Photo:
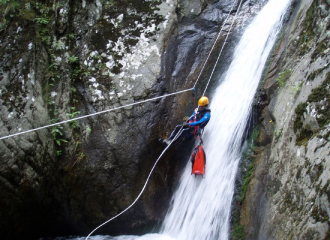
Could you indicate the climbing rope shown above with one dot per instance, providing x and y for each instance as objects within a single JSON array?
[
  {"x": 142, "y": 190},
  {"x": 215, "y": 42},
  {"x": 223, "y": 45},
  {"x": 93, "y": 114}
]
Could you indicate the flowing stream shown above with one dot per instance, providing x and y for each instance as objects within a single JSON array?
[{"x": 200, "y": 209}]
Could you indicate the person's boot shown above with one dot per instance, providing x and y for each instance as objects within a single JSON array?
[{"x": 165, "y": 142}]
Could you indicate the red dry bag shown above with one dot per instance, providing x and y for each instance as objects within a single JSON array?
[{"x": 198, "y": 160}]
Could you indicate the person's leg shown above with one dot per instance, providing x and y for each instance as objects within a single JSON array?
[
  {"x": 174, "y": 132},
  {"x": 181, "y": 133},
  {"x": 190, "y": 134}
]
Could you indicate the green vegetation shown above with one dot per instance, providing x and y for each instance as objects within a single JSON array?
[
  {"x": 309, "y": 24},
  {"x": 9, "y": 7},
  {"x": 246, "y": 182},
  {"x": 319, "y": 215},
  {"x": 74, "y": 124},
  {"x": 247, "y": 170},
  {"x": 278, "y": 133},
  {"x": 248, "y": 159},
  {"x": 309, "y": 38},
  {"x": 56, "y": 52},
  {"x": 320, "y": 48},
  {"x": 42, "y": 20},
  {"x": 57, "y": 133},
  {"x": 320, "y": 98},
  {"x": 283, "y": 77},
  {"x": 313, "y": 75},
  {"x": 238, "y": 233},
  {"x": 296, "y": 90},
  {"x": 300, "y": 110},
  {"x": 57, "y": 130},
  {"x": 24, "y": 10},
  {"x": 73, "y": 59}
]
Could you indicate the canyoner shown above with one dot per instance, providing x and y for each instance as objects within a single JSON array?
[
  {"x": 201, "y": 116},
  {"x": 193, "y": 127}
]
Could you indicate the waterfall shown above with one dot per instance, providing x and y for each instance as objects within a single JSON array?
[{"x": 201, "y": 206}]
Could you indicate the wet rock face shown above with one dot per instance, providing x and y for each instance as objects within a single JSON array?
[
  {"x": 75, "y": 58},
  {"x": 61, "y": 66},
  {"x": 292, "y": 170}
]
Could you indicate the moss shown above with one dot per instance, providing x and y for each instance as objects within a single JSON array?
[
  {"x": 283, "y": 77},
  {"x": 10, "y": 8},
  {"x": 308, "y": 38},
  {"x": 287, "y": 203},
  {"x": 320, "y": 96},
  {"x": 247, "y": 167},
  {"x": 319, "y": 71},
  {"x": 319, "y": 215},
  {"x": 320, "y": 48},
  {"x": 308, "y": 33},
  {"x": 246, "y": 182},
  {"x": 238, "y": 233},
  {"x": 300, "y": 110}
]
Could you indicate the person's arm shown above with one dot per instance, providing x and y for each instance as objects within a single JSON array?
[
  {"x": 205, "y": 118},
  {"x": 191, "y": 117}
]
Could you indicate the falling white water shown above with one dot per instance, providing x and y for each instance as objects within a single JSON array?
[{"x": 201, "y": 206}]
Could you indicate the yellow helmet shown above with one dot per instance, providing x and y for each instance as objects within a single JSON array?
[{"x": 203, "y": 101}]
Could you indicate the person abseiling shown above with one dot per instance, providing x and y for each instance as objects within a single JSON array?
[{"x": 197, "y": 121}]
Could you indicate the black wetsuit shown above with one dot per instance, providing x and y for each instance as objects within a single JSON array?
[{"x": 200, "y": 119}]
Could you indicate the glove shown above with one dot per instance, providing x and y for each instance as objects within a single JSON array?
[
  {"x": 185, "y": 124},
  {"x": 186, "y": 119}
]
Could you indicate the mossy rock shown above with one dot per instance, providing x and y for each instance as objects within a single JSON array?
[{"x": 320, "y": 96}]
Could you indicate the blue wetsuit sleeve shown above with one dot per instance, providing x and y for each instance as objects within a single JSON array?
[{"x": 205, "y": 118}]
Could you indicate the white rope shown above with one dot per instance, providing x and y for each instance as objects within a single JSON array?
[
  {"x": 216, "y": 63},
  {"x": 109, "y": 110},
  {"x": 93, "y": 114},
  {"x": 200, "y": 73},
  {"x": 144, "y": 186}
]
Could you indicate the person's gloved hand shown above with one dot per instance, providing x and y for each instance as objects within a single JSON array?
[
  {"x": 185, "y": 124},
  {"x": 186, "y": 119}
]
